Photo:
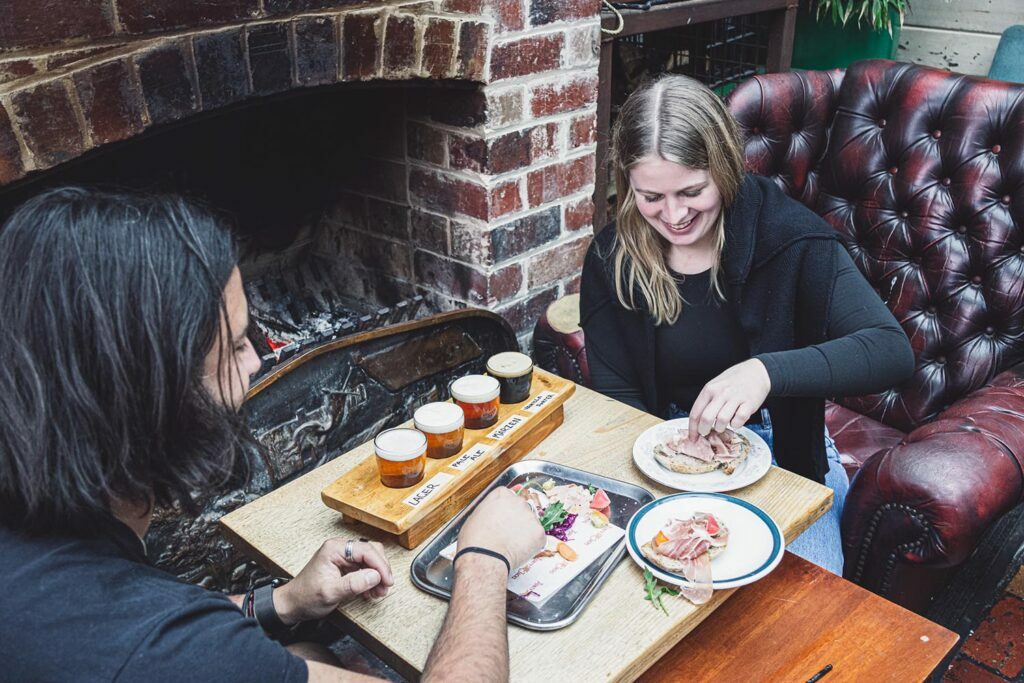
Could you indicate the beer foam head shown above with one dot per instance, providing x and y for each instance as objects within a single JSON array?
[
  {"x": 400, "y": 444},
  {"x": 475, "y": 389},
  {"x": 439, "y": 418},
  {"x": 509, "y": 364}
]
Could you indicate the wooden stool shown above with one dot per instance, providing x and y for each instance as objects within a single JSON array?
[{"x": 558, "y": 343}]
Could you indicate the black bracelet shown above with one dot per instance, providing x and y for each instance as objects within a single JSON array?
[
  {"x": 483, "y": 551},
  {"x": 265, "y": 612}
]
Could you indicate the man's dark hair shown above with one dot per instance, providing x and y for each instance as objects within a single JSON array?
[{"x": 110, "y": 303}]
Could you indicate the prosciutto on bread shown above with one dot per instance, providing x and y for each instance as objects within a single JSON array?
[
  {"x": 685, "y": 547},
  {"x": 718, "y": 450}
]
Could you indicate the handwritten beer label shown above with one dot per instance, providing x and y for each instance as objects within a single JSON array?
[
  {"x": 510, "y": 425},
  {"x": 433, "y": 485},
  {"x": 470, "y": 457},
  {"x": 539, "y": 401}
]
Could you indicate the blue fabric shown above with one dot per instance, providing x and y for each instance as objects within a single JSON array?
[
  {"x": 1008, "y": 61},
  {"x": 822, "y": 543}
]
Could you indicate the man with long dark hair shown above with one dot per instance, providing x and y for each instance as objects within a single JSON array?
[{"x": 124, "y": 363}]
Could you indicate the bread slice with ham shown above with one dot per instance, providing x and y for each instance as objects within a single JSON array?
[
  {"x": 686, "y": 547},
  {"x": 718, "y": 450}
]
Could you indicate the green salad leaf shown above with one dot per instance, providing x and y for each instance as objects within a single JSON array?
[
  {"x": 653, "y": 591},
  {"x": 553, "y": 515}
]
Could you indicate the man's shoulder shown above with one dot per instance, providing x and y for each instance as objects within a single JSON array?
[{"x": 104, "y": 612}]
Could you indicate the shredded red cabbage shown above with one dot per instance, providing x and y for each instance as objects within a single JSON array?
[{"x": 558, "y": 531}]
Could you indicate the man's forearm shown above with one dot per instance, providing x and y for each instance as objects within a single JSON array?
[{"x": 473, "y": 643}]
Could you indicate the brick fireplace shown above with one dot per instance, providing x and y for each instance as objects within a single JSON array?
[{"x": 452, "y": 141}]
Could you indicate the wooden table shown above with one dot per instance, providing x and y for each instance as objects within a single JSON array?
[
  {"x": 617, "y": 637},
  {"x": 805, "y": 619}
]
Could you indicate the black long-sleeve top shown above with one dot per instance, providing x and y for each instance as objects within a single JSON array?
[
  {"x": 780, "y": 271},
  {"x": 770, "y": 259},
  {"x": 865, "y": 349}
]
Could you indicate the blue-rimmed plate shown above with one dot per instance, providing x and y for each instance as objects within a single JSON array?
[{"x": 755, "y": 545}]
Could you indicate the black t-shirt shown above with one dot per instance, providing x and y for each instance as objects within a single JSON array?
[
  {"x": 705, "y": 341},
  {"x": 93, "y": 609}
]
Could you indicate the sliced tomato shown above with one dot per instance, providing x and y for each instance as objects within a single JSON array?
[{"x": 712, "y": 525}]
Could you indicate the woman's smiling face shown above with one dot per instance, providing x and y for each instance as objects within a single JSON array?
[{"x": 681, "y": 203}]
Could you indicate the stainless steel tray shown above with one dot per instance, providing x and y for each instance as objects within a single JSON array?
[{"x": 433, "y": 574}]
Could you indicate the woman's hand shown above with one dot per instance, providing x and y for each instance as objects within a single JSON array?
[
  {"x": 329, "y": 579},
  {"x": 730, "y": 399}
]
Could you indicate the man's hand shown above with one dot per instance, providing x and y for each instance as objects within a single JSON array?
[
  {"x": 328, "y": 580},
  {"x": 505, "y": 523},
  {"x": 730, "y": 399},
  {"x": 473, "y": 644}
]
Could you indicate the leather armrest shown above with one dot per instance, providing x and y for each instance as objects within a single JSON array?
[{"x": 915, "y": 512}]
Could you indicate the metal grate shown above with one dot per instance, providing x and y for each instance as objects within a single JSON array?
[
  {"x": 298, "y": 308},
  {"x": 720, "y": 53}
]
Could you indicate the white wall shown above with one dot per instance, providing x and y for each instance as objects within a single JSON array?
[{"x": 959, "y": 35}]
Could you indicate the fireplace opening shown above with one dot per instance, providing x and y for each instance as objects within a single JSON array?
[{"x": 315, "y": 185}]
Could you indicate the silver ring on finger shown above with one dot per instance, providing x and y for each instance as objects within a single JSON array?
[{"x": 348, "y": 550}]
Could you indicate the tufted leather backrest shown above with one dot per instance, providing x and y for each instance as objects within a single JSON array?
[
  {"x": 785, "y": 120},
  {"x": 921, "y": 171}
]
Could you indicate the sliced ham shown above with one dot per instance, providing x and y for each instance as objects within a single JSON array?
[
  {"x": 688, "y": 543},
  {"x": 573, "y": 497},
  {"x": 719, "y": 447},
  {"x": 698, "y": 572},
  {"x": 699, "y": 449}
]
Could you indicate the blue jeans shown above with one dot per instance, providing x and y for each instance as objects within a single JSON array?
[{"x": 822, "y": 543}]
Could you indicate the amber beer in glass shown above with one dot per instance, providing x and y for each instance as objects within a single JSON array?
[
  {"x": 477, "y": 395},
  {"x": 401, "y": 457},
  {"x": 443, "y": 425}
]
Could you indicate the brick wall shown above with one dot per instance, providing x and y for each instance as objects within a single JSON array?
[
  {"x": 479, "y": 189},
  {"x": 507, "y": 189}
]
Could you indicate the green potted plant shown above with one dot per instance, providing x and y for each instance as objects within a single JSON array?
[{"x": 834, "y": 33}]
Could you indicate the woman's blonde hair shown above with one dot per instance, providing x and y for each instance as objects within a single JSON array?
[{"x": 678, "y": 119}]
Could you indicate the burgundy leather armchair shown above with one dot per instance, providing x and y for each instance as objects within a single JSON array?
[{"x": 921, "y": 171}]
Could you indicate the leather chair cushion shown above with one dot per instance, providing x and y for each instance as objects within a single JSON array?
[{"x": 857, "y": 436}]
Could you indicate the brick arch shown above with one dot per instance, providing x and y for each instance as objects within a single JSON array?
[{"x": 61, "y": 102}]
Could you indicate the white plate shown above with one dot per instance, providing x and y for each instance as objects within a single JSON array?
[
  {"x": 757, "y": 464},
  {"x": 755, "y": 546}
]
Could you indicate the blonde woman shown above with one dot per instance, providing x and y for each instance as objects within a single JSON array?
[{"x": 715, "y": 295}]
